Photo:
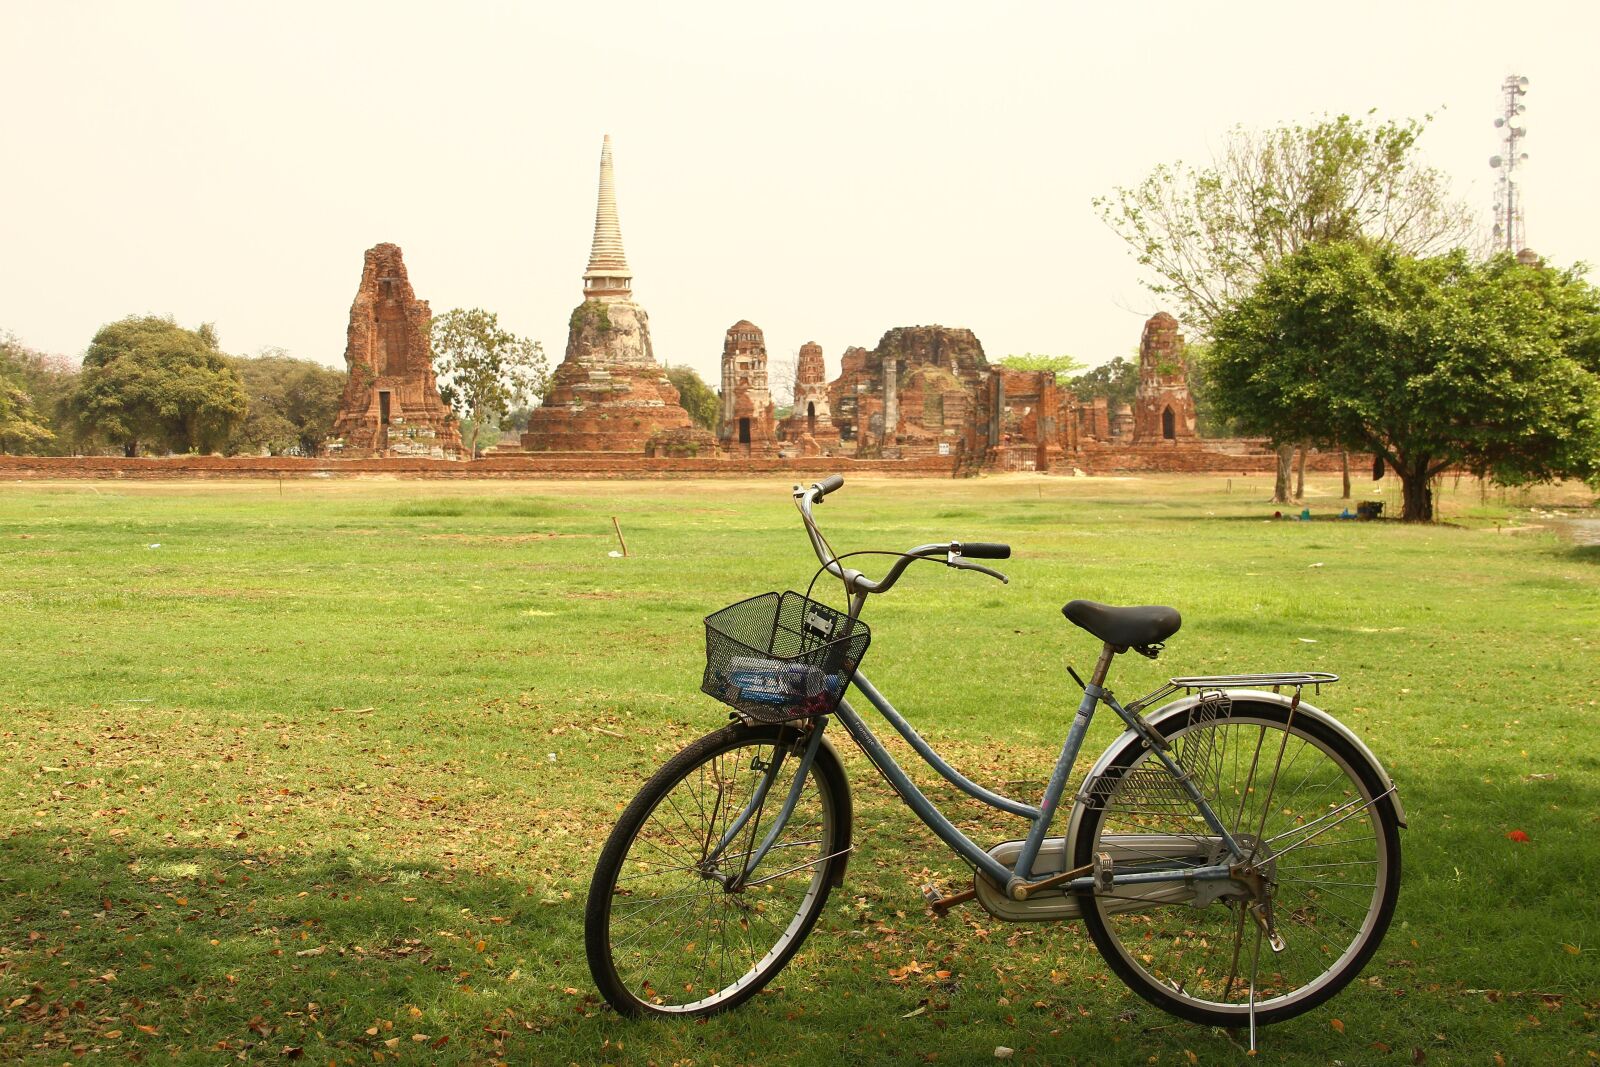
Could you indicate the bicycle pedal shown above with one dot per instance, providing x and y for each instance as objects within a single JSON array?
[{"x": 940, "y": 905}]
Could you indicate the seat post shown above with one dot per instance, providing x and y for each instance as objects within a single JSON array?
[{"x": 1103, "y": 665}]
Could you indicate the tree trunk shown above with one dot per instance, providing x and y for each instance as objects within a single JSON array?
[
  {"x": 1416, "y": 493},
  {"x": 1344, "y": 467},
  {"x": 1300, "y": 475},
  {"x": 1280, "y": 486}
]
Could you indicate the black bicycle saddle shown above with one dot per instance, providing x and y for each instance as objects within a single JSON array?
[{"x": 1127, "y": 627}]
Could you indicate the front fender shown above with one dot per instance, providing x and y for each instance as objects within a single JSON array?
[
  {"x": 842, "y": 832},
  {"x": 1183, "y": 704}
]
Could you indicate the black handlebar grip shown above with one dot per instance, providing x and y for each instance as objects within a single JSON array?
[
  {"x": 985, "y": 550},
  {"x": 829, "y": 484}
]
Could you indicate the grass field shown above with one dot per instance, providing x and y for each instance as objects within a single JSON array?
[{"x": 320, "y": 771}]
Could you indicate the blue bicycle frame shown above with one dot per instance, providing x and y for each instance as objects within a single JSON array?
[{"x": 1041, "y": 816}]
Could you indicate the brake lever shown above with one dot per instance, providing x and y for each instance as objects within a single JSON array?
[{"x": 961, "y": 564}]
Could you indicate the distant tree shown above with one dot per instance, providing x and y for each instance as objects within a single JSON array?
[
  {"x": 702, "y": 402},
  {"x": 1062, "y": 365},
  {"x": 1208, "y": 234},
  {"x": 22, "y": 428},
  {"x": 781, "y": 372},
  {"x": 486, "y": 369},
  {"x": 292, "y": 404},
  {"x": 1209, "y": 421},
  {"x": 34, "y": 384},
  {"x": 516, "y": 419},
  {"x": 148, "y": 382},
  {"x": 1117, "y": 380},
  {"x": 1429, "y": 363}
]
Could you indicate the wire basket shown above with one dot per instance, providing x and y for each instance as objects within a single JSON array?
[{"x": 778, "y": 657}]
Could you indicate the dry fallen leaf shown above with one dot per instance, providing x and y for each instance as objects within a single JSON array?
[{"x": 1337, "y": 1024}]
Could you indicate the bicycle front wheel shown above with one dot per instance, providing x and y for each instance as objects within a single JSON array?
[
  {"x": 1304, "y": 804},
  {"x": 670, "y": 926}
]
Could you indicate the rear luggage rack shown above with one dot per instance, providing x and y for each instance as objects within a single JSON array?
[{"x": 1217, "y": 682}]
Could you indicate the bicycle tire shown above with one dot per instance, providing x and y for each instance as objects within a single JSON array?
[
  {"x": 1158, "y": 951},
  {"x": 666, "y": 965}
]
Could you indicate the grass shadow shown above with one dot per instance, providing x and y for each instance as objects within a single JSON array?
[{"x": 178, "y": 953}]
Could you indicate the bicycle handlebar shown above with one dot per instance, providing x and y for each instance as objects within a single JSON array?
[{"x": 855, "y": 581}]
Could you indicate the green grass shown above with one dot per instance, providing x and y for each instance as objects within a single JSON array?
[{"x": 330, "y": 767}]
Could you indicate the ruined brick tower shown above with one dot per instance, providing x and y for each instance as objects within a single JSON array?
[
  {"x": 811, "y": 416},
  {"x": 608, "y": 394},
  {"x": 747, "y": 423},
  {"x": 391, "y": 401},
  {"x": 1163, "y": 410}
]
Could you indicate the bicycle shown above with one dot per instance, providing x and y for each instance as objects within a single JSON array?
[{"x": 1174, "y": 854}]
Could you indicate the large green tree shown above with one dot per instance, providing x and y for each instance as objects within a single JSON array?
[
  {"x": 149, "y": 383},
  {"x": 1206, "y": 234},
  {"x": 1061, "y": 365},
  {"x": 486, "y": 369},
  {"x": 292, "y": 404},
  {"x": 1116, "y": 380},
  {"x": 1430, "y": 363},
  {"x": 703, "y": 403}
]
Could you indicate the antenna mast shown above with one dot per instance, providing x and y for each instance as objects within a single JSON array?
[{"x": 1508, "y": 231}]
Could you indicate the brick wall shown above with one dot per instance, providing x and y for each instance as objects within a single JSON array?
[
  {"x": 547, "y": 465},
  {"x": 1210, "y": 457}
]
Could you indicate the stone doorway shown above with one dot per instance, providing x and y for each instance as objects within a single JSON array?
[
  {"x": 811, "y": 417},
  {"x": 383, "y": 418},
  {"x": 1169, "y": 424},
  {"x": 744, "y": 431}
]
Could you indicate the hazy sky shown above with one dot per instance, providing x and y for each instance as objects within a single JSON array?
[{"x": 826, "y": 171}]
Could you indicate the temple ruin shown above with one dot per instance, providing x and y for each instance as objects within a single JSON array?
[
  {"x": 912, "y": 395},
  {"x": 924, "y": 399},
  {"x": 1163, "y": 410},
  {"x": 748, "y": 426},
  {"x": 391, "y": 404},
  {"x": 809, "y": 426},
  {"x": 608, "y": 394}
]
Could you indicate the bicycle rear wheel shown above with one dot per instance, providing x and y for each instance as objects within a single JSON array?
[
  {"x": 665, "y": 931},
  {"x": 1305, "y": 803}
]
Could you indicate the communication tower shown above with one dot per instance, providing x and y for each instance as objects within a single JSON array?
[{"x": 1508, "y": 231}]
